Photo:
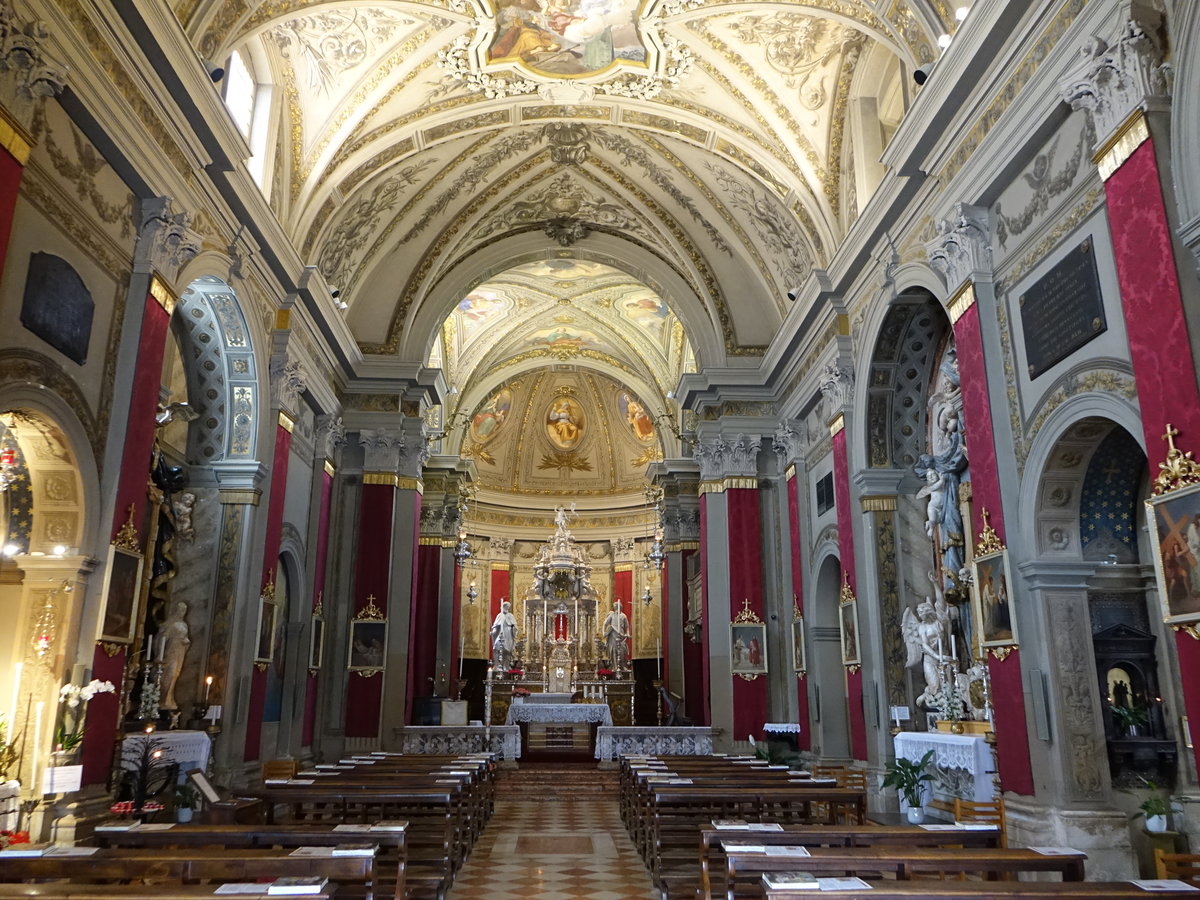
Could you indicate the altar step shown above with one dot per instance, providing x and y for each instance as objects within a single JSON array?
[{"x": 535, "y": 781}]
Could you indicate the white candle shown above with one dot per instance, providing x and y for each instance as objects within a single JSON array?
[
  {"x": 149, "y": 649},
  {"x": 207, "y": 684},
  {"x": 896, "y": 713},
  {"x": 658, "y": 656},
  {"x": 35, "y": 788},
  {"x": 462, "y": 644},
  {"x": 953, "y": 647},
  {"x": 12, "y": 715}
]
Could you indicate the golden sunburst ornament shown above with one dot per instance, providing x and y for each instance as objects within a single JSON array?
[{"x": 1178, "y": 470}]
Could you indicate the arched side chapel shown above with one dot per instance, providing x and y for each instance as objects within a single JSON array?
[{"x": 844, "y": 395}]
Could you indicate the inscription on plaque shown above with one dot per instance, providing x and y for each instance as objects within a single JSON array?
[{"x": 1063, "y": 310}]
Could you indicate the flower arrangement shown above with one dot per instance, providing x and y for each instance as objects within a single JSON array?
[
  {"x": 8, "y": 838},
  {"x": 605, "y": 673},
  {"x": 74, "y": 698},
  {"x": 520, "y": 692},
  {"x": 949, "y": 700},
  {"x": 516, "y": 672}
]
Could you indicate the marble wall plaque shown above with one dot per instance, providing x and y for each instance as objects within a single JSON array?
[{"x": 1063, "y": 310}]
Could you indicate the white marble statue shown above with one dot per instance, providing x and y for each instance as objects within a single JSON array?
[
  {"x": 174, "y": 634},
  {"x": 504, "y": 637},
  {"x": 926, "y": 635},
  {"x": 616, "y": 632}
]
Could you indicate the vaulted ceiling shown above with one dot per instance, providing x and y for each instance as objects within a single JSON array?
[{"x": 715, "y": 152}]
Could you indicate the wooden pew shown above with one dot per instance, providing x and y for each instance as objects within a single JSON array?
[
  {"x": 743, "y": 871},
  {"x": 391, "y": 855},
  {"x": 987, "y": 890},
  {"x": 211, "y": 864},
  {"x": 712, "y": 854},
  {"x": 64, "y": 891}
]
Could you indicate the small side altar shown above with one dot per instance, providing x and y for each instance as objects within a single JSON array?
[{"x": 963, "y": 763}]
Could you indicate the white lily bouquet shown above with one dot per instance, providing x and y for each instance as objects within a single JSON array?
[{"x": 74, "y": 699}]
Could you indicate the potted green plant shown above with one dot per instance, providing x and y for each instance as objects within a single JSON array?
[
  {"x": 909, "y": 779},
  {"x": 1131, "y": 720},
  {"x": 186, "y": 798},
  {"x": 1155, "y": 808}
]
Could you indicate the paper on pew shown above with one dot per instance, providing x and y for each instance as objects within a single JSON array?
[
  {"x": 789, "y": 850},
  {"x": 21, "y": 851},
  {"x": 154, "y": 826},
  {"x": 301, "y": 781},
  {"x": 791, "y": 881},
  {"x": 843, "y": 884},
  {"x": 64, "y": 850},
  {"x": 240, "y": 887},
  {"x": 390, "y": 825},
  {"x": 1165, "y": 884},
  {"x": 977, "y": 826},
  {"x": 1057, "y": 851},
  {"x": 742, "y": 846},
  {"x": 359, "y": 828}
]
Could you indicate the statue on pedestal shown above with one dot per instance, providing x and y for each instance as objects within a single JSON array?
[
  {"x": 616, "y": 633},
  {"x": 925, "y": 636},
  {"x": 504, "y": 637}
]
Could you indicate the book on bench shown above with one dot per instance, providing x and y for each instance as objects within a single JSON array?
[
  {"x": 297, "y": 886},
  {"x": 791, "y": 881},
  {"x": 390, "y": 825}
]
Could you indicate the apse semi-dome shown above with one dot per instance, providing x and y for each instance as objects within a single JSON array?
[{"x": 561, "y": 431}]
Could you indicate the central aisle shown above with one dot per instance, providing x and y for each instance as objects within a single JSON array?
[{"x": 547, "y": 841}]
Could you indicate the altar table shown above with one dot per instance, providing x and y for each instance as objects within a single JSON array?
[
  {"x": 188, "y": 748},
  {"x": 558, "y": 713},
  {"x": 963, "y": 763}
]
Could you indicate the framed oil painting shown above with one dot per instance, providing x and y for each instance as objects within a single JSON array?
[
  {"x": 264, "y": 647},
  {"x": 316, "y": 643},
  {"x": 1175, "y": 530},
  {"x": 996, "y": 623},
  {"x": 748, "y": 649},
  {"x": 368, "y": 638},
  {"x": 799, "y": 665},
  {"x": 122, "y": 586},
  {"x": 849, "y": 622}
]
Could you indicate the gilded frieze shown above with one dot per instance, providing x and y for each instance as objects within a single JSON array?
[
  {"x": 906, "y": 25},
  {"x": 576, "y": 113},
  {"x": 751, "y": 163},
  {"x": 389, "y": 403},
  {"x": 664, "y": 123},
  {"x": 126, "y": 84},
  {"x": 1041, "y": 51},
  {"x": 445, "y": 130}
]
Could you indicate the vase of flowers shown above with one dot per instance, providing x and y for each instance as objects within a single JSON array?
[
  {"x": 74, "y": 698},
  {"x": 519, "y": 694}
]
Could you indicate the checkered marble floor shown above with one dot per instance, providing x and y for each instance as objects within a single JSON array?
[{"x": 554, "y": 850}]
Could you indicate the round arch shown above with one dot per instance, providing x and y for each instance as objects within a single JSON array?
[
  {"x": 826, "y": 671},
  {"x": 699, "y": 323}
]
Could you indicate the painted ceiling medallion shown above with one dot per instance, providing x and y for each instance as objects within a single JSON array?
[{"x": 567, "y": 50}]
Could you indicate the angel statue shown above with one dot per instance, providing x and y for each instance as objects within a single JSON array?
[{"x": 925, "y": 634}]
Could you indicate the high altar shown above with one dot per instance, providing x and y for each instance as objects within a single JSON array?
[{"x": 566, "y": 647}]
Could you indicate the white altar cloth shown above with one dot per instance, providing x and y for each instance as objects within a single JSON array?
[
  {"x": 188, "y": 748},
  {"x": 559, "y": 713},
  {"x": 548, "y": 698},
  {"x": 615, "y": 741},
  {"x": 963, "y": 761},
  {"x": 453, "y": 740}
]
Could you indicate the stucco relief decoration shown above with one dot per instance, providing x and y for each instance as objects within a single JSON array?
[
  {"x": 789, "y": 442},
  {"x": 771, "y": 222},
  {"x": 27, "y": 72},
  {"x": 962, "y": 246},
  {"x": 288, "y": 382},
  {"x": 165, "y": 241},
  {"x": 1113, "y": 80},
  {"x": 566, "y": 50},
  {"x": 332, "y": 43},
  {"x": 836, "y": 386},
  {"x": 799, "y": 47}
]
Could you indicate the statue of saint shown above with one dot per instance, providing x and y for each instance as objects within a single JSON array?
[
  {"x": 616, "y": 632},
  {"x": 943, "y": 471},
  {"x": 925, "y": 636},
  {"x": 174, "y": 633},
  {"x": 504, "y": 637}
]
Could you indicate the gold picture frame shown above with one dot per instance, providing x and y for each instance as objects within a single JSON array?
[
  {"x": 1174, "y": 518},
  {"x": 799, "y": 656},
  {"x": 992, "y": 602},
  {"x": 122, "y": 593}
]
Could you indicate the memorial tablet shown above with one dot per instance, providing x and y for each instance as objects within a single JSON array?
[{"x": 1063, "y": 310}]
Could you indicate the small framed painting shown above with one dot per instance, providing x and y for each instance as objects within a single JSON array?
[
  {"x": 799, "y": 666},
  {"x": 849, "y": 622},
  {"x": 368, "y": 638},
  {"x": 1175, "y": 530},
  {"x": 264, "y": 651},
  {"x": 748, "y": 649},
  {"x": 992, "y": 592},
  {"x": 316, "y": 644},
  {"x": 122, "y": 586}
]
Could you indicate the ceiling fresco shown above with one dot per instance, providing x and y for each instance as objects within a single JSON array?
[{"x": 707, "y": 146}]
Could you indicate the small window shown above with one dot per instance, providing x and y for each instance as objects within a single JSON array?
[
  {"x": 240, "y": 91},
  {"x": 825, "y": 494}
]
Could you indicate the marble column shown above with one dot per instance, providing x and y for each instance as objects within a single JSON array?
[
  {"x": 681, "y": 542},
  {"x": 962, "y": 254},
  {"x": 1123, "y": 87}
]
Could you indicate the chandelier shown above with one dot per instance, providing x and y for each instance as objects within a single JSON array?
[
  {"x": 656, "y": 555},
  {"x": 462, "y": 550}
]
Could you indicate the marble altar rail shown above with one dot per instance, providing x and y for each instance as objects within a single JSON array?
[
  {"x": 612, "y": 741},
  {"x": 449, "y": 740}
]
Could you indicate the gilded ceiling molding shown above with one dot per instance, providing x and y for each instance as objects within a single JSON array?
[{"x": 907, "y": 26}]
